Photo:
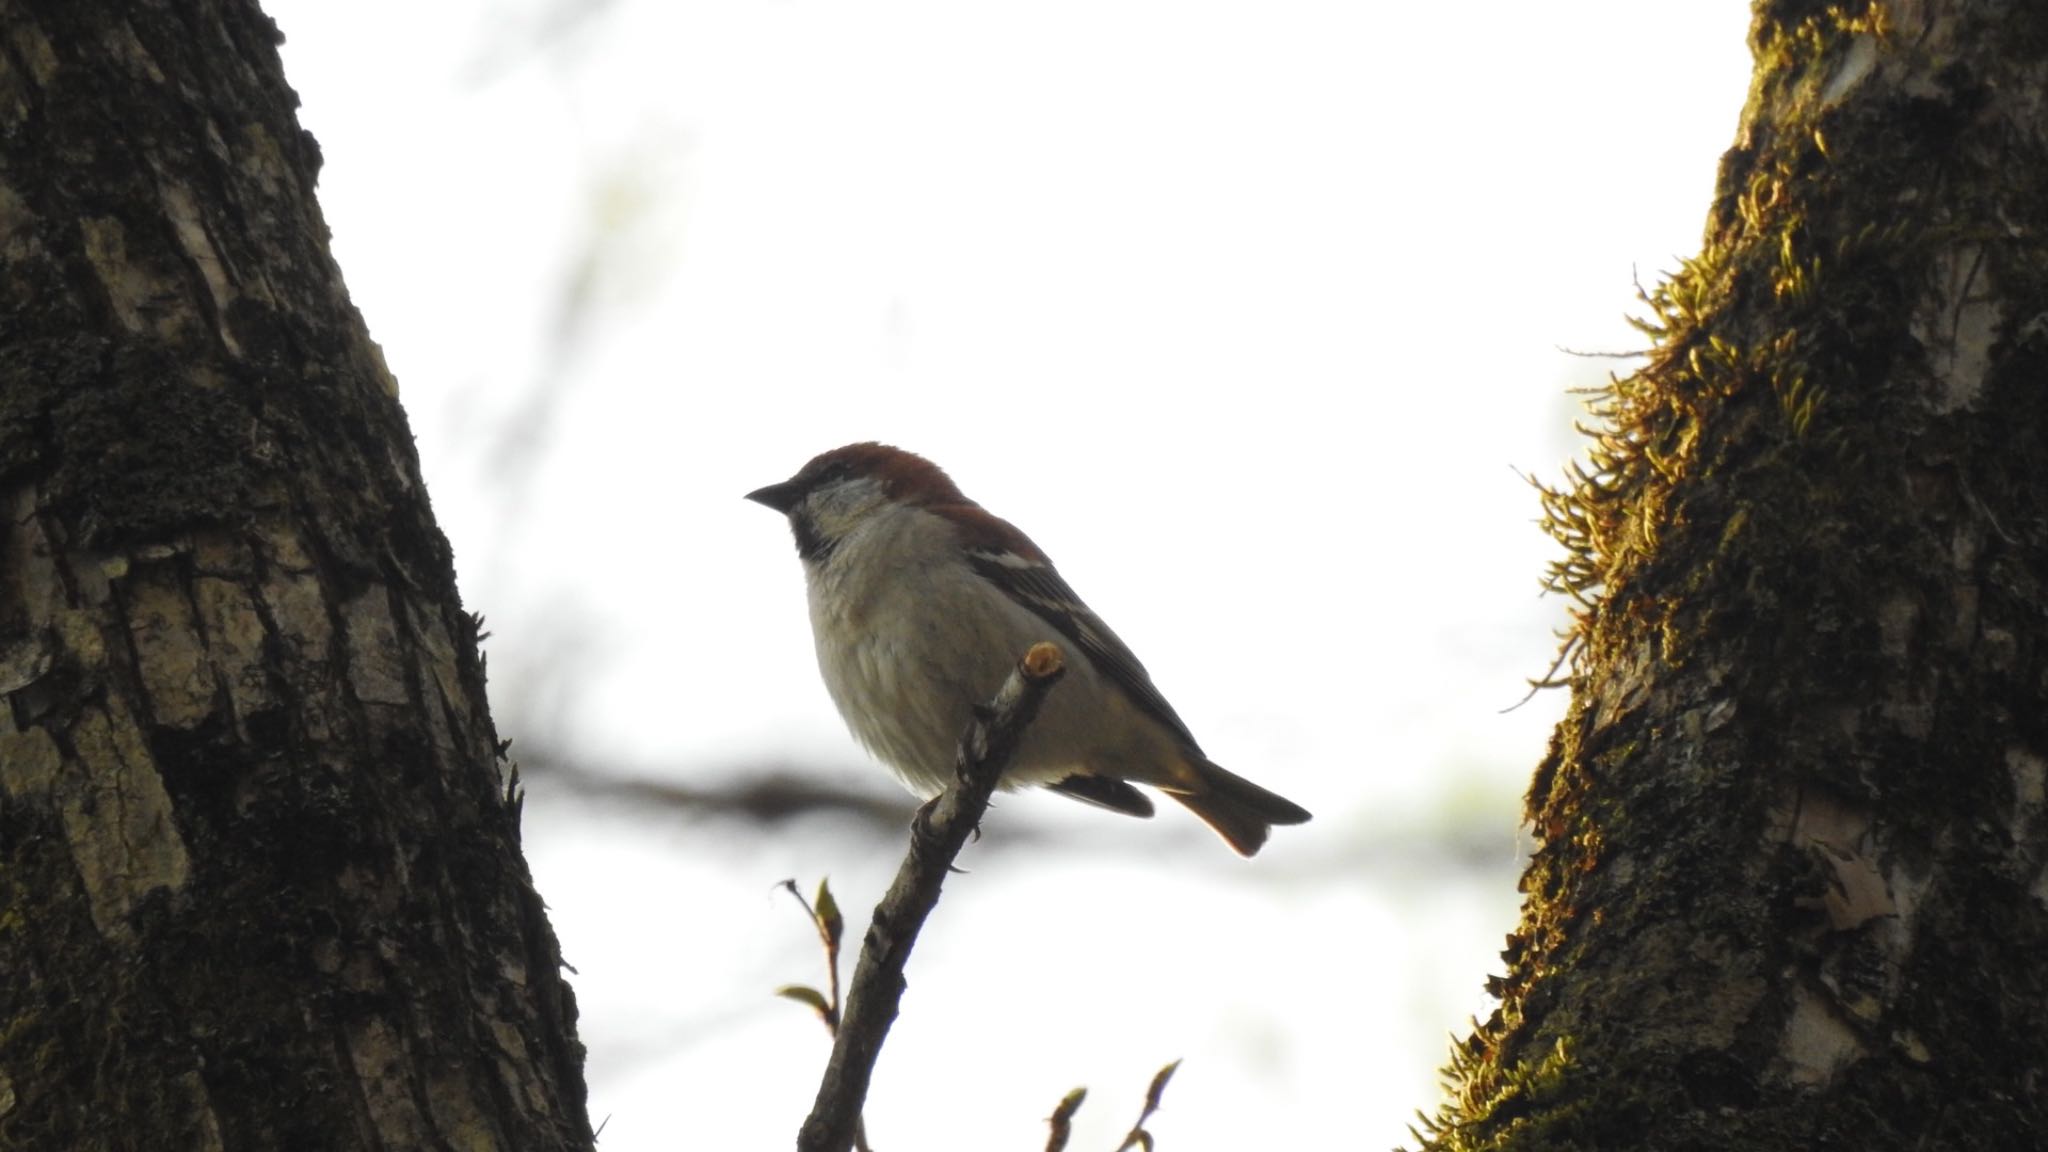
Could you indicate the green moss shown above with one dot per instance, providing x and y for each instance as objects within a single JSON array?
[
  {"x": 1508, "y": 1098},
  {"x": 1735, "y": 552},
  {"x": 1792, "y": 228}
]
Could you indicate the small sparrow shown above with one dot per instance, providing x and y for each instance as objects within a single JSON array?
[{"x": 922, "y": 602}]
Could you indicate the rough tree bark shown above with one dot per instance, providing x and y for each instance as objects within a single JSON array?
[
  {"x": 260, "y": 884},
  {"x": 1792, "y": 888}
]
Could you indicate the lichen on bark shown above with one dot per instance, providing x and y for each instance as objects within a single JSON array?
[{"x": 260, "y": 884}]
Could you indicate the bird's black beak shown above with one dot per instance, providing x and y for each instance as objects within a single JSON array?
[{"x": 781, "y": 497}]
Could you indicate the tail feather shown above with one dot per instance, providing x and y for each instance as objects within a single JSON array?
[{"x": 1239, "y": 810}]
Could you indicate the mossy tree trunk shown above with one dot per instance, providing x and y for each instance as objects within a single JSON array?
[
  {"x": 260, "y": 883},
  {"x": 1792, "y": 883}
]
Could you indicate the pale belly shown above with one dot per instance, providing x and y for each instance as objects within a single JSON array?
[{"x": 908, "y": 668}]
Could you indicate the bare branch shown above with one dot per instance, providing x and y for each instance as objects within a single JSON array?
[
  {"x": 940, "y": 830},
  {"x": 761, "y": 794}
]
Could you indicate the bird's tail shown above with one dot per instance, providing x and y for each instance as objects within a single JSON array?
[{"x": 1239, "y": 810}]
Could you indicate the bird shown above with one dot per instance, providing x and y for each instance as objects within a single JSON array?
[{"x": 921, "y": 601}]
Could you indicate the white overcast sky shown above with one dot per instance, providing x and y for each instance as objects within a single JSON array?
[{"x": 1250, "y": 313}]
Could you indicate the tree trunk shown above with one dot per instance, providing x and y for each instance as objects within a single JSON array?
[
  {"x": 260, "y": 884},
  {"x": 1790, "y": 891}
]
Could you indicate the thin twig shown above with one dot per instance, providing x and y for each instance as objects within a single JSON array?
[
  {"x": 1061, "y": 1122},
  {"x": 830, "y": 926},
  {"x": 1139, "y": 1137},
  {"x": 831, "y": 929},
  {"x": 939, "y": 831}
]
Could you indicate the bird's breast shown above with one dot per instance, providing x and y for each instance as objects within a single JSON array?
[{"x": 907, "y": 644}]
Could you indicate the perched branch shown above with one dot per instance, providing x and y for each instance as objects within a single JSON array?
[{"x": 937, "y": 834}]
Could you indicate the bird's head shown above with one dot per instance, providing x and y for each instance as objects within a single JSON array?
[{"x": 833, "y": 495}]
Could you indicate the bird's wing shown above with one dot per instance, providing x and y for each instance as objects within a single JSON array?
[
  {"x": 1105, "y": 792},
  {"x": 1031, "y": 581}
]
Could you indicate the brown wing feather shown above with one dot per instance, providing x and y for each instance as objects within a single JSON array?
[{"x": 1033, "y": 583}]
